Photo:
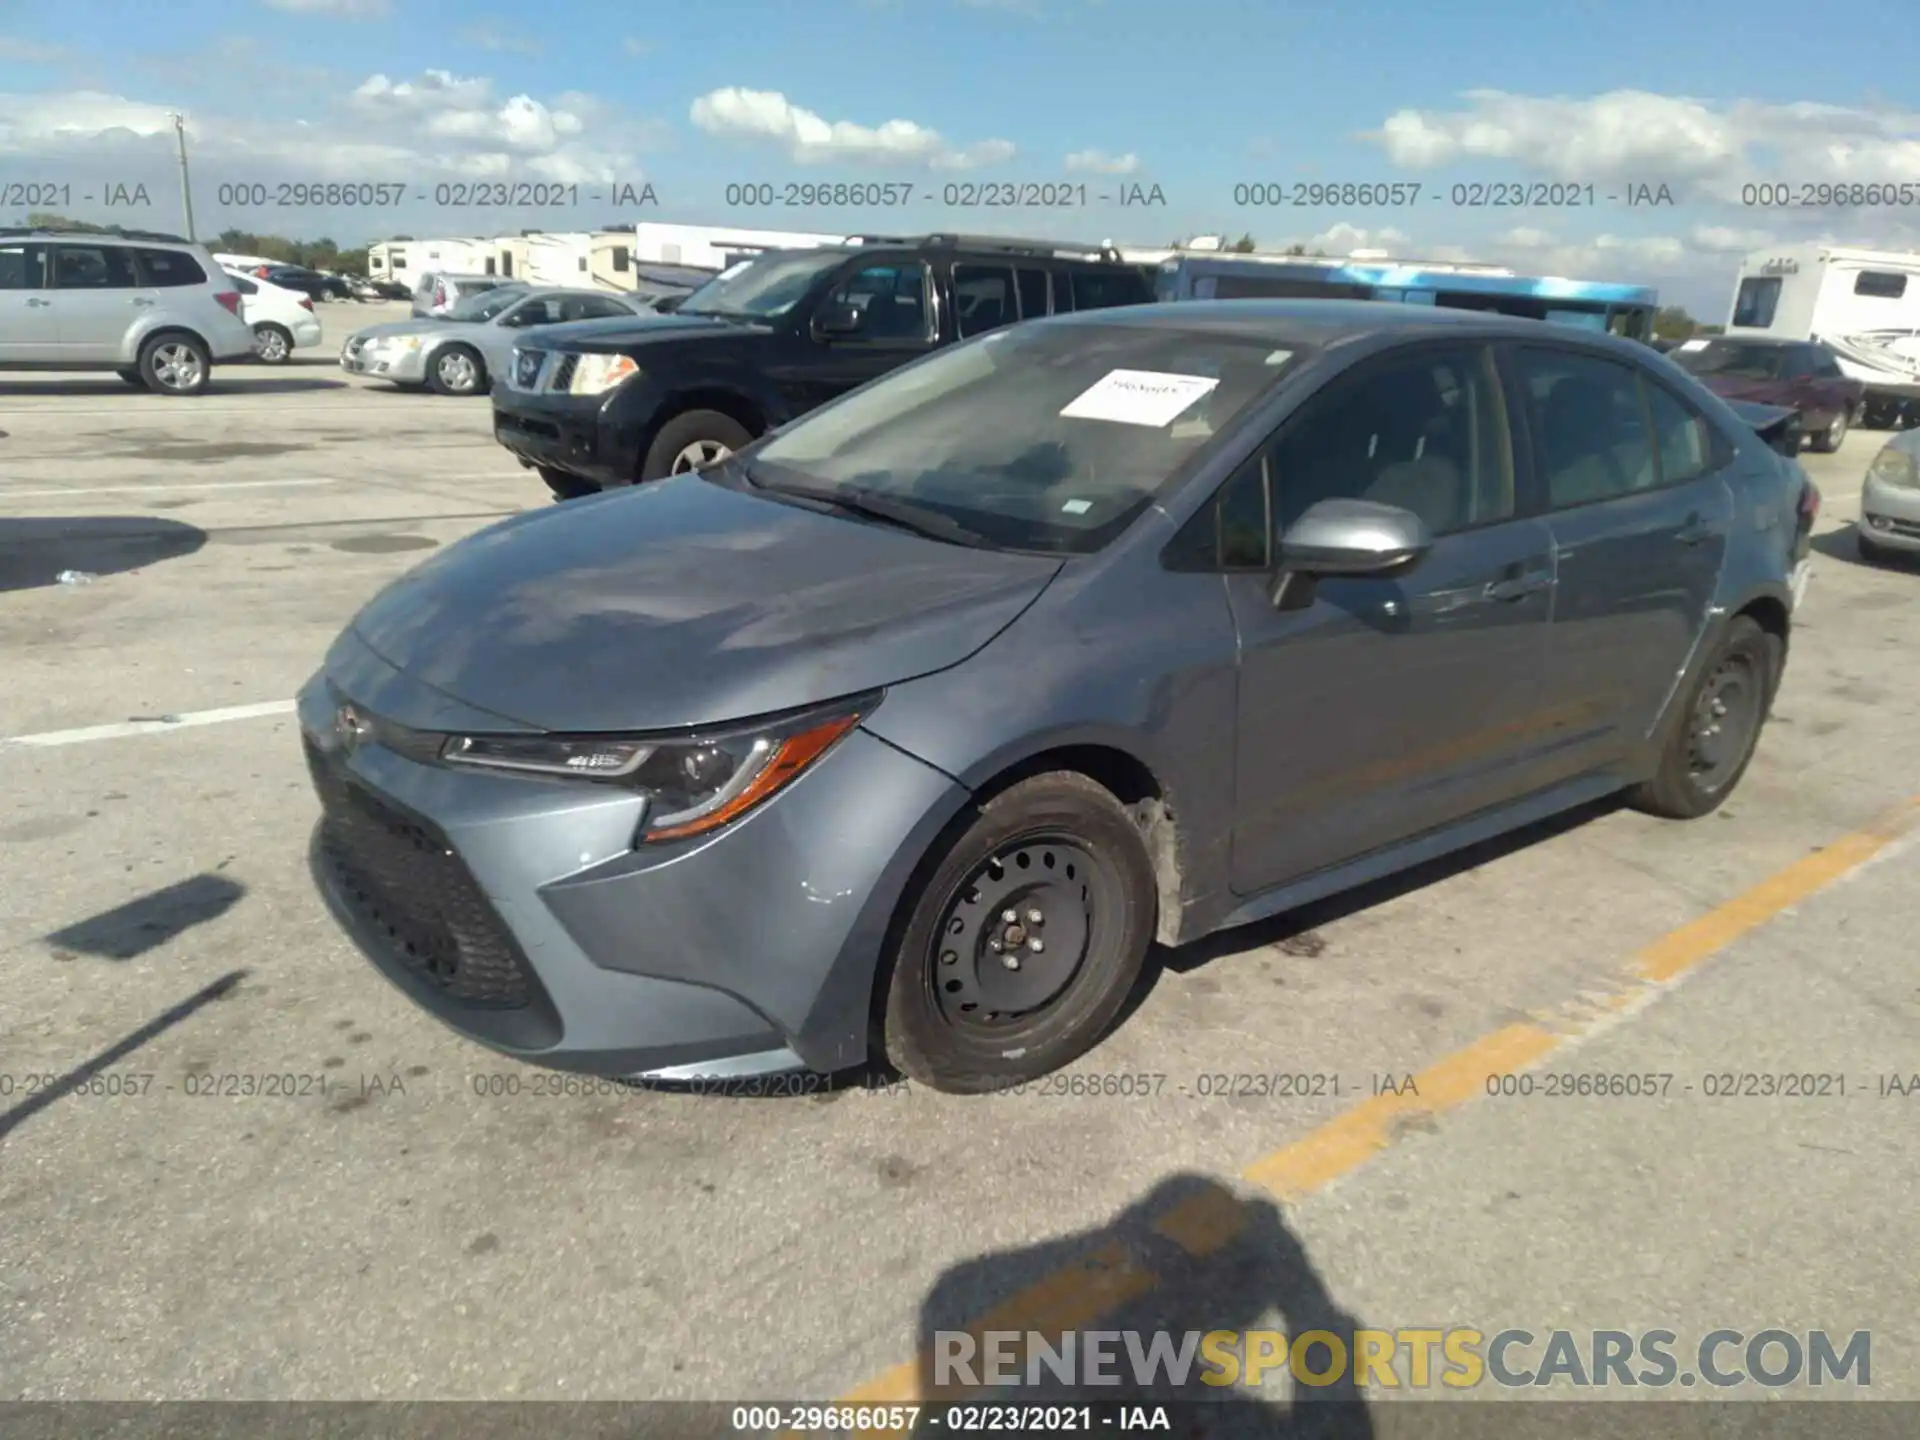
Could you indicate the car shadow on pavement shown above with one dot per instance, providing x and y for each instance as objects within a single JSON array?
[
  {"x": 38, "y": 551},
  {"x": 131, "y": 930},
  {"x": 51, "y": 1088},
  {"x": 1188, "y": 1258},
  {"x": 1844, "y": 545}
]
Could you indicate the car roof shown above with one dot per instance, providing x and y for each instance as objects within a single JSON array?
[{"x": 1328, "y": 322}]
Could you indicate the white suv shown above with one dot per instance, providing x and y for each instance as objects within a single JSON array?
[{"x": 155, "y": 309}]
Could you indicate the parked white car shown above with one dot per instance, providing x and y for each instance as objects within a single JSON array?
[{"x": 280, "y": 319}]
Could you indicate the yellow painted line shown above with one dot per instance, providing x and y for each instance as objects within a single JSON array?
[{"x": 1079, "y": 1293}]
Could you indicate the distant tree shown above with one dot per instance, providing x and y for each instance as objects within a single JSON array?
[
  {"x": 1672, "y": 322},
  {"x": 1296, "y": 250},
  {"x": 1243, "y": 246}
]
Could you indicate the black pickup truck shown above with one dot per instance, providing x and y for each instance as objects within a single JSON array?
[{"x": 607, "y": 403}]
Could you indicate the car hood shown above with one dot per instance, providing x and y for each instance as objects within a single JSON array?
[
  {"x": 683, "y": 603},
  {"x": 420, "y": 325},
  {"x": 622, "y": 333}
]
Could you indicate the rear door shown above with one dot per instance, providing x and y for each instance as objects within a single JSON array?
[
  {"x": 29, "y": 334},
  {"x": 1631, "y": 478},
  {"x": 97, "y": 300},
  {"x": 1831, "y": 386}
]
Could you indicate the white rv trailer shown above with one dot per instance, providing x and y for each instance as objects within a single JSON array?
[
  {"x": 714, "y": 247},
  {"x": 407, "y": 260},
  {"x": 1864, "y": 305}
]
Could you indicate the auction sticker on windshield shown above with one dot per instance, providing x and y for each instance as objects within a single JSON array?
[{"x": 1139, "y": 397}]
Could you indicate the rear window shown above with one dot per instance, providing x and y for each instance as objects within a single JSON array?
[
  {"x": 168, "y": 267},
  {"x": 1101, "y": 289}
]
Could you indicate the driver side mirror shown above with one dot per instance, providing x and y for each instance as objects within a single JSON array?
[
  {"x": 1348, "y": 538},
  {"x": 837, "y": 320}
]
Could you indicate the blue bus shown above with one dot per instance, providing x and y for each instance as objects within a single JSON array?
[{"x": 1592, "y": 304}]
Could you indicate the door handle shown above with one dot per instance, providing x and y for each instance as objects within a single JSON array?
[
  {"x": 1696, "y": 531},
  {"x": 141, "y": 300},
  {"x": 39, "y": 304},
  {"x": 1518, "y": 587}
]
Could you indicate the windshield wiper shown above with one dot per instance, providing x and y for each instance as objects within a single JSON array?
[{"x": 870, "y": 505}]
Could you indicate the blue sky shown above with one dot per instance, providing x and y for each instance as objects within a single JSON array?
[{"x": 1192, "y": 100}]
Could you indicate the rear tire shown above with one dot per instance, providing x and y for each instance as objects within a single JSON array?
[
  {"x": 976, "y": 1003},
  {"x": 565, "y": 486},
  {"x": 175, "y": 363},
  {"x": 688, "y": 442},
  {"x": 1831, "y": 438},
  {"x": 1712, "y": 738},
  {"x": 272, "y": 344}
]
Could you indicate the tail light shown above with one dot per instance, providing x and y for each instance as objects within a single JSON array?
[
  {"x": 1809, "y": 504},
  {"x": 306, "y": 304},
  {"x": 230, "y": 301}
]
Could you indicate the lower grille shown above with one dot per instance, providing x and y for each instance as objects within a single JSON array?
[{"x": 406, "y": 884}]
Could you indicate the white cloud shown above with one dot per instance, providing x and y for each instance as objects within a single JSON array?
[
  {"x": 339, "y": 9},
  {"x": 30, "y": 52},
  {"x": 1634, "y": 136},
  {"x": 1102, "y": 163},
  {"x": 635, "y": 46},
  {"x": 768, "y": 117},
  {"x": 489, "y": 35},
  {"x": 432, "y": 125}
]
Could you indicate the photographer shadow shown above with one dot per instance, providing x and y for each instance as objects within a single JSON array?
[{"x": 1191, "y": 1256}]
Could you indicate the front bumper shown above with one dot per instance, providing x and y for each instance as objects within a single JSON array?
[
  {"x": 404, "y": 367},
  {"x": 1890, "y": 515},
  {"x": 570, "y": 433},
  {"x": 517, "y": 911}
]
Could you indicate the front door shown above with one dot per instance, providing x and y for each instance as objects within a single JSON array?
[
  {"x": 97, "y": 300},
  {"x": 28, "y": 330},
  {"x": 1387, "y": 707},
  {"x": 898, "y": 323},
  {"x": 1631, "y": 477}
]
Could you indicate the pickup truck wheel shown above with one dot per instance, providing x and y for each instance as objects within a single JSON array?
[
  {"x": 565, "y": 486},
  {"x": 1708, "y": 749},
  {"x": 1829, "y": 439},
  {"x": 691, "y": 441},
  {"x": 1022, "y": 944}
]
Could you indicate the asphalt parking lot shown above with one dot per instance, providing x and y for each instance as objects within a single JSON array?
[{"x": 410, "y": 1217}]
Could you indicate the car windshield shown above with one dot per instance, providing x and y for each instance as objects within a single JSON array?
[
  {"x": 1050, "y": 437},
  {"x": 485, "y": 305},
  {"x": 1736, "y": 361},
  {"x": 762, "y": 288}
]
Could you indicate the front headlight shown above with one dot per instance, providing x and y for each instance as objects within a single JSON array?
[
  {"x": 1896, "y": 467},
  {"x": 401, "y": 344},
  {"x": 595, "y": 374},
  {"x": 692, "y": 784}
]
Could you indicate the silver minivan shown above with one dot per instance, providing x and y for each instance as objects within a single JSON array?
[{"x": 154, "y": 309}]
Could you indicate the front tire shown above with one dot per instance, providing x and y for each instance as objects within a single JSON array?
[
  {"x": 690, "y": 442},
  {"x": 458, "y": 370},
  {"x": 272, "y": 344},
  {"x": 1831, "y": 438},
  {"x": 565, "y": 486},
  {"x": 975, "y": 1002},
  {"x": 175, "y": 364},
  {"x": 1713, "y": 740}
]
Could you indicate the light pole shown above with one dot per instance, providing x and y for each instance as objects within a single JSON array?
[{"x": 186, "y": 185}]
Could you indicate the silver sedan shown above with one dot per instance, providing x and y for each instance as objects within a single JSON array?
[
  {"x": 458, "y": 353},
  {"x": 1890, "y": 503}
]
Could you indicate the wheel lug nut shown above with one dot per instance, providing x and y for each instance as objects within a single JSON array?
[
  {"x": 1012, "y": 962},
  {"x": 1035, "y": 945},
  {"x": 1034, "y": 917},
  {"x": 949, "y": 958},
  {"x": 995, "y": 946},
  {"x": 1008, "y": 916}
]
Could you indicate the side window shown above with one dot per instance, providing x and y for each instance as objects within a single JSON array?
[
  {"x": 1686, "y": 444},
  {"x": 1423, "y": 431},
  {"x": 92, "y": 267},
  {"x": 1233, "y": 531},
  {"x": 168, "y": 268},
  {"x": 1756, "y": 301},
  {"x": 622, "y": 259},
  {"x": 1033, "y": 294},
  {"x": 893, "y": 298},
  {"x": 1797, "y": 364},
  {"x": 1099, "y": 289},
  {"x": 983, "y": 295},
  {"x": 1880, "y": 284},
  {"x": 590, "y": 307},
  {"x": 1062, "y": 292},
  {"x": 21, "y": 267},
  {"x": 1589, "y": 426},
  {"x": 1828, "y": 368}
]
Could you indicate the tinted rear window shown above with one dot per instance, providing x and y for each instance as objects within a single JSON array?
[
  {"x": 168, "y": 267},
  {"x": 1099, "y": 289}
]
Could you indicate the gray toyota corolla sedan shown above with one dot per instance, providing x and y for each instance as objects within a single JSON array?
[{"x": 899, "y": 736}]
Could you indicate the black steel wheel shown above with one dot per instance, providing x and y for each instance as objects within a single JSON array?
[
  {"x": 1022, "y": 944},
  {"x": 1709, "y": 747}
]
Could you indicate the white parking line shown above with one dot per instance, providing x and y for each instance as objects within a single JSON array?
[
  {"x": 149, "y": 727},
  {"x": 6, "y": 494}
]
